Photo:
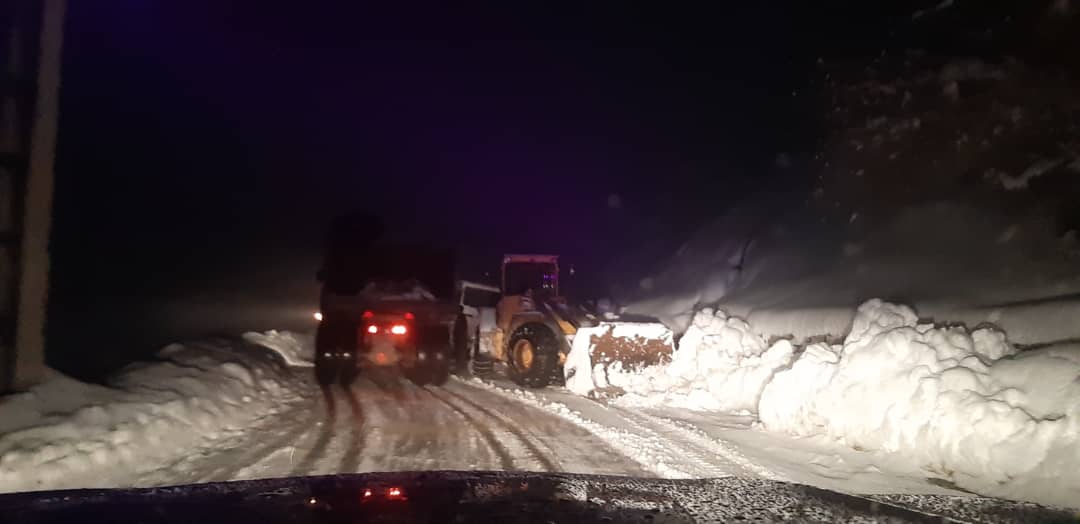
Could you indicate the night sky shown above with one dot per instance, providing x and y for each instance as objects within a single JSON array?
[{"x": 204, "y": 146}]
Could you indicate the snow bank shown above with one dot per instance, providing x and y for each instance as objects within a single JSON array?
[
  {"x": 297, "y": 349},
  {"x": 962, "y": 404},
  {"x": 67, "y": 434}
]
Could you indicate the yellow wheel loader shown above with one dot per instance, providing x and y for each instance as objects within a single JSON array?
[{"x": 533, "y": 328}]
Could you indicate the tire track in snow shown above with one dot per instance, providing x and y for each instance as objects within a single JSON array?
[
  {"x": 332, "y": 451},
  {"x": 506, "y": 461},
  {"x": 663, "y": 455},
  {"x": 549, "y": 464},
  {"x": 686, "y": 449},
  {"x": 358, "y": 440},
  {"x": 576, "y": 447},
  {"x": 701, "y": 441},
  {"x": 696, "y": 434},
  {"x": 315, "y": 452},
  {"x": 392, "y": 428},
  {"x": 258, "y": 454}
]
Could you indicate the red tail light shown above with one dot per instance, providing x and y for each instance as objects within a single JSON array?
[
  {"x": 368, "y": 314},
  {"x": 367, "y": 492},
  {"x": 398, "y": 329},
  {"x": 410, "y": 316},
  {"x": 394, "y": 493},
  {"x": 373, "y": 329}
]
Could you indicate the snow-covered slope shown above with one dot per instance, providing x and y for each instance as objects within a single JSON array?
[
  {"x": 64, "y": 433},
  {"x": 947, "y": 184},
  {"x": 789, "y": 274}
]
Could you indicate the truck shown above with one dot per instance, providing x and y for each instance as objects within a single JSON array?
[{"x": 392, "y": 306}]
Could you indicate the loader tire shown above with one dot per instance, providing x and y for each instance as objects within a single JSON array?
[{"x": 533, "y": 355}]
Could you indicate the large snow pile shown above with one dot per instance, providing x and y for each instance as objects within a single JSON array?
[
  {"x": 718, "y": 364},
  {"x": 963, "y": 404},
  {"x": 296, "y": 348},
  {"x": 67, "y": 434}
]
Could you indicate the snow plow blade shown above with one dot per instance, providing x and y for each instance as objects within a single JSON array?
[{"x": 601, "y": 355}]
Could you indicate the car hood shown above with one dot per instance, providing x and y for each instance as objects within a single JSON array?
[{"x": 450, "y": 496}]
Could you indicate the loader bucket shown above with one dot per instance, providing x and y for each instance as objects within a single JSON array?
[{"x": 615, "y": 348}]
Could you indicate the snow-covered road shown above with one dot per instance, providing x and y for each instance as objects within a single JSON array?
[
  {"x": 473, "y": 424},
  {"x": 399, "y": 426}
]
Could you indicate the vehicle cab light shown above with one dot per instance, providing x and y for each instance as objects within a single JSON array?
[{"x": 398, "y": 329}]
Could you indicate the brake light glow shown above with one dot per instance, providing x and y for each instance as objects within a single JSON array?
[
  {"x": 410, "y": 316},
  {"x": 398, "y": 329},
  {"x": 368, "y": 314},
  {"x": 393, "y": 493},
  {"x": 367, "y": 492},
  {"x": 373, "y": 329}
]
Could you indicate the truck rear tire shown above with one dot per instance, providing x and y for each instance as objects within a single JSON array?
[
  {"x": 434, "y": 343},
  {"x": 460, "y": 346},
  {"x": 533, "y": 355},
  {"x": 417, "y": 375},
  {"x": 439, "y": 373}
]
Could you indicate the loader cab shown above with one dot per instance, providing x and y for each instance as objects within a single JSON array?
[{"x": 536, "y": 273}]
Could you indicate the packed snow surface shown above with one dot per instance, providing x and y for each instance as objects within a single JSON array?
[{"x": 962, "y": 403}]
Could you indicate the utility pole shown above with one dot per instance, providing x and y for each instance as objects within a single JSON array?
[{"x": 31, "y": 36}]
